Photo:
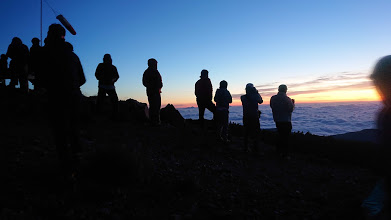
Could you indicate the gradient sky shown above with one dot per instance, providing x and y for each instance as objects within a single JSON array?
[{"x": 322, "y": 50}]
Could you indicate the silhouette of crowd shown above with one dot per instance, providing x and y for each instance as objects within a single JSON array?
[{"x": 57, "y": 71}]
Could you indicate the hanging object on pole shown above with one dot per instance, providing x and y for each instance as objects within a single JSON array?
[
  {"x": 66, "y": 24},
  {"x": 61, "y": 18}
]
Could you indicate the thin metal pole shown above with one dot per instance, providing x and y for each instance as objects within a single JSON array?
[{"x": 41, "y": 23}]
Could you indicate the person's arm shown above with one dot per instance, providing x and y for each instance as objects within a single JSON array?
[
  {"x": 144, "y": 80},
  {"x": 260, "y": 100},
  {"x": 98, "y": 72},
  {"x": 229, "y": 97},
  {"x": 291, "y": 104},
  {"x": 81, "y": 73},
  {"x": 217, "y": 96},
  {"x": 116, "y": 75},
  {"x": 196, "y": 89},
  {"x": 157, "y": 80}
]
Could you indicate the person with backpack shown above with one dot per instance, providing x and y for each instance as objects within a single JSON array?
[
  {"x": 251, "y": 115},
  {"x": 222, "y": 98}
]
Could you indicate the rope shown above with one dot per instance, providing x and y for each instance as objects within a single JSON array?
[{"x": 54, "y": 11}]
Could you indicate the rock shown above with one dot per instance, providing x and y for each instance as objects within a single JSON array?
[
  {"x": 138, "y": 111},
  {"x": 172, "y": 116}
]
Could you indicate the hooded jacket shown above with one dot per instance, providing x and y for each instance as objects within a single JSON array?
[
  {"x": 222, "y": 98},
  {"x": 152, "y": 80},
  {"x": 203, "y": 89},
  {"x": 282, "y": 107},
  {"x": 62, "y": 73},
  {"x": 250, "y": 104},
  {"x": 107, "y": 74}
]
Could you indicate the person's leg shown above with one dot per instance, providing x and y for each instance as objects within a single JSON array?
[
  {"x": 246, "y": 134},
  {"x": 201, "y": 109},
  {"x": 210, "y": 106},
  {"x": 74, "y": 132},
  {"x": 279, "y": 142},
  {"x": 74, "y": 119},
  {"x": 154, "y": 108},
  {"x": 114, "y": 101},
  {"x": 59, "y": 122},
  {"x": 224, "y": 121},
  {"x": 256, "y": 131},
  {"x": 284, "y": 131},
  {"x": 100, "y": 98},
  {"x": 23, "y": 81}
]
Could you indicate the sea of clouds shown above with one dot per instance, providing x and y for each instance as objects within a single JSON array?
[{"x": 316, "y": 118}]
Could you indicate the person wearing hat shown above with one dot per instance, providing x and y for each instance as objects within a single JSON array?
[
  {"x": 35, "y": 60},
  {"x": 107, "y": 75},
  {"x": 282, "y": 108},
  {"x": 203, "y": 92},
  {"x": 222, "y": 98},
  {"x": 251, "y": 115}
]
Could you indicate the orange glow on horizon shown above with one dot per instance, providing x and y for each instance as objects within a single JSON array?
[{"x": 366, "y": 95}]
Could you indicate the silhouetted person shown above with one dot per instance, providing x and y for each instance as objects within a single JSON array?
[
  {"x": 19, "y": 54},
  {"x": 152, "y": 80},
  {"x": 62, "y": 75},
  {"x": 251, "y": 115},
  {"x": 107, "y": 75},
  {"x": 35, "y": 59},
  {"x": 282, "y": 108},
  {"x": 380, "y": 197},
  {"x": 3, "y": 69},
  {"x": 204, "y": 92},
  {"x": 222, "y": 98}
]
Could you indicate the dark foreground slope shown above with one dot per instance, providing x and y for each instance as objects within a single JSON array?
[{"x": 130, "y": 170}]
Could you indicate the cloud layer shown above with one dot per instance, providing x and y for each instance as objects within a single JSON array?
[{"x": 345, "y": 81}]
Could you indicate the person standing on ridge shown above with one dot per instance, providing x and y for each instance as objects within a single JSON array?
[
  {"x": 3, "y": 70},
  {"x": 152, "y": 80},
  {"x": 19, "y": 54},
  {"x": 34, "y": 61},
  {"x": 203, "y": 92},
  {"x": 222, "y": 98},
  {"x": 251, "y": 115},
  {"x": 282, "y": 108},
  {"x": 61, "y": 76},
  {"x": 107, "y": 75}
]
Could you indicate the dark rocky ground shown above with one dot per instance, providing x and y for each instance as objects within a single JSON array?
[{"x": 130, "y": 170}]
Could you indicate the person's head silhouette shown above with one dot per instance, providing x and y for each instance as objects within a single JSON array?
[
  {"x": 250, "y": 88},
  {"x": 283, "y": 88},
  {"x": 35, "y": 41},
  {"x": 107, "y": 59},
  {"x": 16, "y": 41},
  {"x": 56, "y": 32},
  {"x": 204, "y": 74},
  {"x": 381, "y": 77},
  {"x": 223, "y": 84},
  {"x": 152, "y": 63}
]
